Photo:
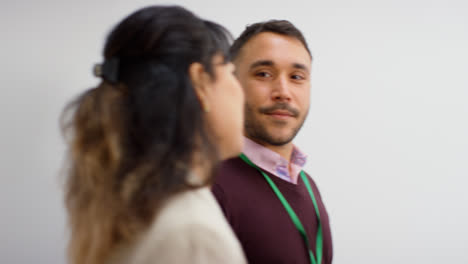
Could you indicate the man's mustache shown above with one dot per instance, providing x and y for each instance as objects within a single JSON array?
[{"x": 280, "y": 106}]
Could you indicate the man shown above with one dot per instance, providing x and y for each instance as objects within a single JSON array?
[{"x": 275, "y": 209}]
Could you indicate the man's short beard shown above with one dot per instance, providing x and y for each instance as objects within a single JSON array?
[{"x": 256, "y": 131}]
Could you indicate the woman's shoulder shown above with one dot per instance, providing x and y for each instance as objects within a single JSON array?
[
  {"x": 194, "y": 207},
  {"x": 190, "y": 228}
]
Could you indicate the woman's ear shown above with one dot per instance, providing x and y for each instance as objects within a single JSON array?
[{"x": 201, "y": 83}]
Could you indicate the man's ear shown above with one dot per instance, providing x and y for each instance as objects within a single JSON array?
[{"x": 200, "y": 82}]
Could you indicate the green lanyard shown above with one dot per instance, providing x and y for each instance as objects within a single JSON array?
[{"x": 292, "y": 214}]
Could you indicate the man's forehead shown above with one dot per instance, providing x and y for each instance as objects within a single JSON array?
[{"x": 275, "y": 49}]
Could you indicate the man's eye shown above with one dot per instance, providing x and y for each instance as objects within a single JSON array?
[
  {"x": 263, "y": 74},
  {"x": 297, "y": 77}
]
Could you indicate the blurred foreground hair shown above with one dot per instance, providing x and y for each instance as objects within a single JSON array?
[{"x": 132, "y": 138}]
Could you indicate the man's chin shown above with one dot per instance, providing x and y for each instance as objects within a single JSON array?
[{"x": 276, "y": 140}]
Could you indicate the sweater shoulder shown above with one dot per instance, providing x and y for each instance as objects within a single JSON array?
[{"x": 235, "y": 174}]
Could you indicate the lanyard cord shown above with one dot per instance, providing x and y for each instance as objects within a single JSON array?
[{"x": 292, "y": 214}]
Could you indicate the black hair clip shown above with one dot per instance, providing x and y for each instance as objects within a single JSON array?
[{"x": 109, "y": 70}]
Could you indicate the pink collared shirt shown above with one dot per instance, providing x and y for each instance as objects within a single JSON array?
[{"x": 272, "y": 162}]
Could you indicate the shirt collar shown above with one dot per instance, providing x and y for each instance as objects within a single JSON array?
[{"x": 273, "y": 162}]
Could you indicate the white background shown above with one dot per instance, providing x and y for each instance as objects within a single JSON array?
[{"x": 386, "y": 134}]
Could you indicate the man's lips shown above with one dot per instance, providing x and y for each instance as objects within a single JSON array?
[{"x": 280, "y": 113}]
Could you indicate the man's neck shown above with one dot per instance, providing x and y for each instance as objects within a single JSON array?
[{"x": 284, "y": 151}]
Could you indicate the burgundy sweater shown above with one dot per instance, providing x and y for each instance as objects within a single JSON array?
[{"x": 259, "y": 220}]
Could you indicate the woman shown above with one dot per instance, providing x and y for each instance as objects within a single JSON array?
[{"x": 144, "y": 143}]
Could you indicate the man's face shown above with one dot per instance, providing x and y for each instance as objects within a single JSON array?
[{"x": 274, "y": 71}]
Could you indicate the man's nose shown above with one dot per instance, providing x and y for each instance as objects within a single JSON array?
[{"x": 281, "y": 89}]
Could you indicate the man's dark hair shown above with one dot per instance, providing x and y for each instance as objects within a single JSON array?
[{"x": 281, "y": 27}]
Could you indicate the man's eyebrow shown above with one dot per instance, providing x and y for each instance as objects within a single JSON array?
[
  {"x": 261, "y": 63},
  {"x": 300, "y": 66},
  {"x": 258, "y": 63}
]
